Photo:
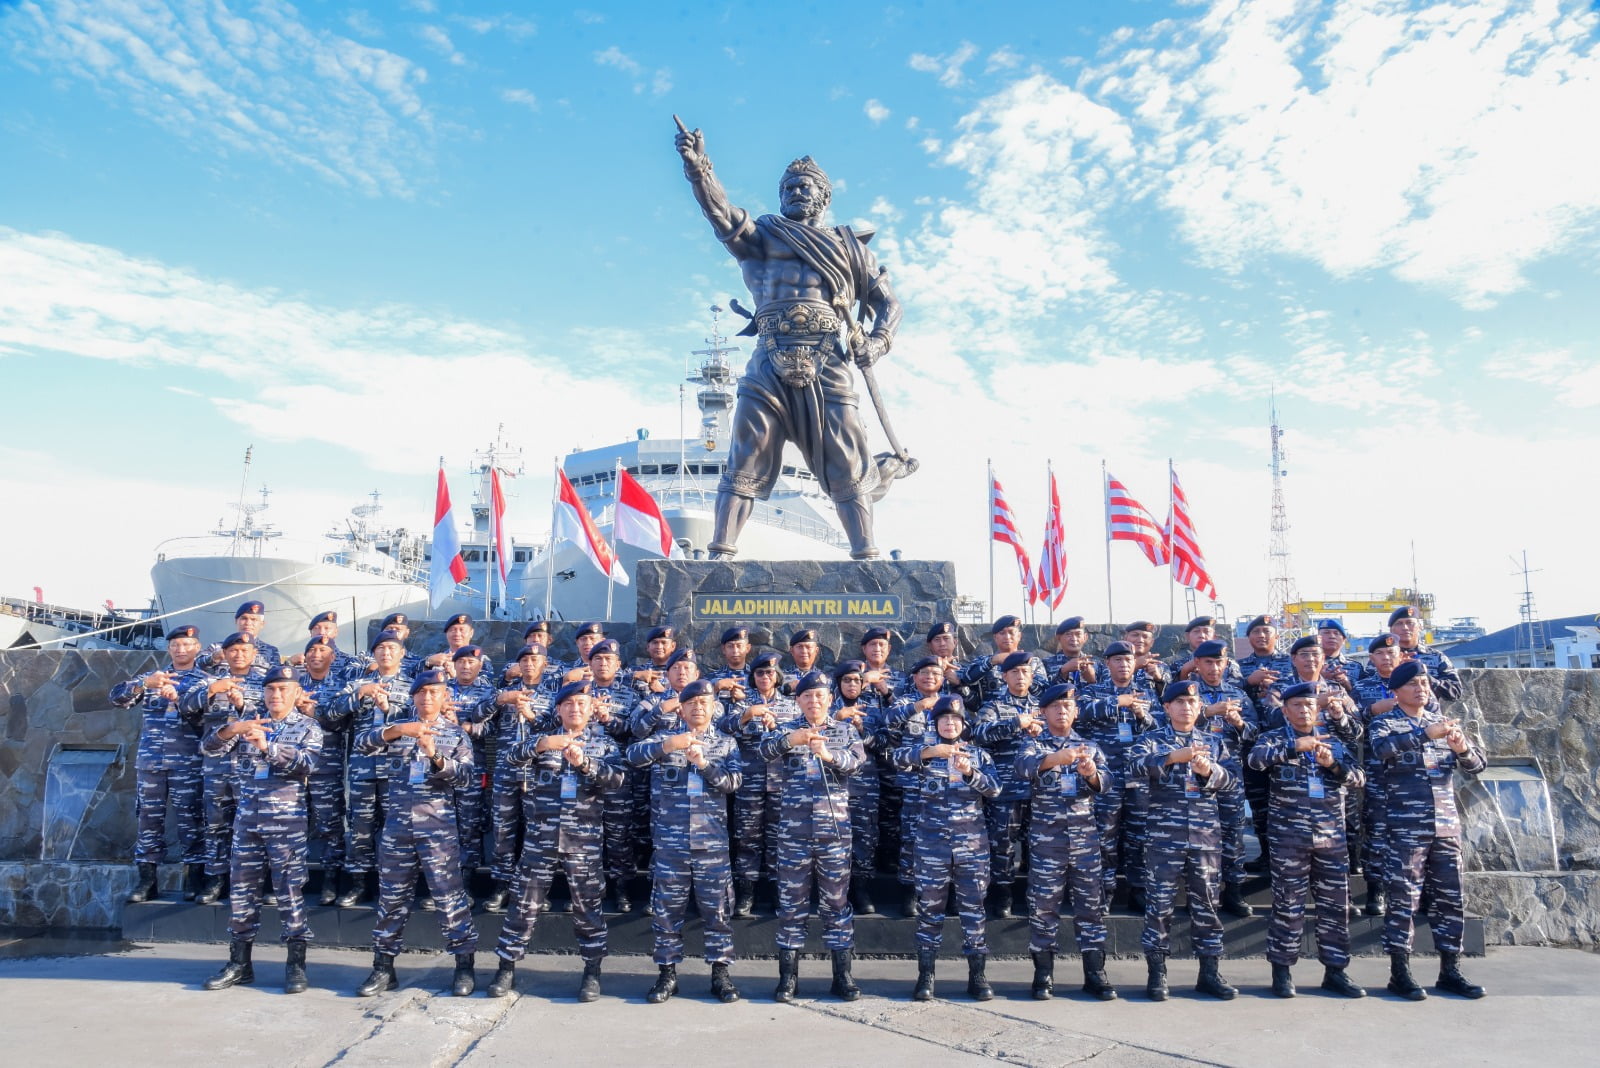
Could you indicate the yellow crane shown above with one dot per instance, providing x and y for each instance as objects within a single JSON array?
[{"x": 1302, "y": 616}]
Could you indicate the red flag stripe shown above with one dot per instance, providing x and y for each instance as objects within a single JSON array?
[
  {"x": 1003, "y": 528},
  {"x": 1188, "y": 565}
]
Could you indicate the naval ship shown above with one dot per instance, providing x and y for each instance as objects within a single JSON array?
[{"x": 372, "y": 570}]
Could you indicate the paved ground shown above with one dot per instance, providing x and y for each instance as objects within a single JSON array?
[{"x": 142, "y": 1005}]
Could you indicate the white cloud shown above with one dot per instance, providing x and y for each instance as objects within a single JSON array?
[
  {"x": 268, "y": 85},
  {"x": 947, "y": 67},
  {"x": 1571, "y": 380},
  {"x": 1002, "y": 58},
  {"x": 520, "y": 97},
  {"x": 658, "y": 82},
  {"x": 511, "y": 26},
  {"x": 1433, "y": 143},
  {"x": 616, "y": 57},
  {"x": 436, "y": 38},
  {"x": 875, "y": 111}
]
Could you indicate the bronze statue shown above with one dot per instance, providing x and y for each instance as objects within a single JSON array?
[{"x": 821, "y": 302}]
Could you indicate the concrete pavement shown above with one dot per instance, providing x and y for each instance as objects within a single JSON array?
[{"x": 142, "y": 1005}]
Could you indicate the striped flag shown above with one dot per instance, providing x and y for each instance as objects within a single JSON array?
[
  {"x": 1052, "y": 580},
  {"x": 497, "y": 509},
  {"x": 446, "y": 568},
  {"x": 1127, "y": 520},
  {"x": 1188, "y": 566},
  {"x": 572, "y": 522},
  {"x": 1003, "y": 528}
]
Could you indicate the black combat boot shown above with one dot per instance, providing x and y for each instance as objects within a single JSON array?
[
  {"x": 1044, "y": 968},
  {"x": 505, "y": 979},
  {"x": 1233, "y": 902},
  {"x": 1155, "y": 986},
  {"x": 925, "y": 961},
  {"x": 355, "y": 886},
  {"x": 1400, "y": 981},
  {"x": 1000, "y": 902},
  {"x": 464, "y": 981},
  {"x": 496, "y": 901},
  {"x": 238, "y": 971},
  {"x": 744, "y": 899},
  {"x": 908, "y": 902},
  {"x": 294, "y": 972},
  {"x": 330, "y": 887},
  {"x": 1136, "y": 900},
  {"x": 844, "y": 984},
  {"x": 788, "y": 976},
  {"x": 624, "y": 902},
  {"x": 1095, "y": 982},
  {"x": 722, "y": 987},
  {"x": 978, "y": 988},
  {"x": 1451, "y": 981},
  {"x": 144, "y": 886},
  {"x": 1374, "y": 905},
  {"x": 860, "y": 896},
  {"x": 1262, "y": 865},
  {"x": 1282, "y": 981},
  {"x": 216, "y": 887},
  {"x": 589, "y": 985},
  {"x": 1336, "y": 981},
  {"x": 666, "y": 985},
  {"x": 382, "y": 977},
  {"x": 1211, "y": 980},
  {"x": 425, "y": 898},
  {"x": 194, "y": 877}
]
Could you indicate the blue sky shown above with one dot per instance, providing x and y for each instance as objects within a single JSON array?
[{"x": 361, "y": 238}]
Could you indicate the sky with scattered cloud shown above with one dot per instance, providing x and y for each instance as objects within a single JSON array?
[{"x": 362, "y": 238}]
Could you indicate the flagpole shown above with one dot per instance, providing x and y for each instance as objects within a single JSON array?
[
  {"x": 616, "y": 546},
  {"x": 492, "y": 555},
  {"x": 550, "y": 545},
  {"x": 1172, "y": 563},
  {"x": 994, "y": 612},
  {"x": 1049, "y": 598},
  {"x": 1105, "y": 495}
]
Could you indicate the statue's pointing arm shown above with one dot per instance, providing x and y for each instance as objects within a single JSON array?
[{"x": 731, "y": 225}]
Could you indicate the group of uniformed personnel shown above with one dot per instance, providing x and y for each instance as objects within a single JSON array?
[{"x": 1080, "y": 777}]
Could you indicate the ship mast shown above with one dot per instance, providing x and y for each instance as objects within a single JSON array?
[{"x": 1280, "y": 577}]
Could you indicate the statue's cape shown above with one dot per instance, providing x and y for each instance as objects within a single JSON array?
[{"x": 836, "y": 253}]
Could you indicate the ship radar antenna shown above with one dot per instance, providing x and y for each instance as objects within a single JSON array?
[{"x": 1281, "y": 589}]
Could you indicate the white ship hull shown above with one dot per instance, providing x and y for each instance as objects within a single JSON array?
[{"x": 292, "y": 590}]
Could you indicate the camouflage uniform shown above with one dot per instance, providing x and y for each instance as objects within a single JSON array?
[
  {"x": 905, "y": 721},
  {"x": 211, "y": 661},
  {"x": 1442, "y": 675},
  {"x": 1374, "y": 839},
  {"x": 1183, "y": 836},
  {"x": 1121, "y": 805},
  {"x": 886, "y": 814},
  {"x": 269, "y": 829},
  {"x": 1308, "y": 848},
  {"x": 1255, "y": 782},
  {"x": 368, "y": 770},
  {"x": 419, "y": 829},
  {"x": 510, "y": 797},
  {"x": 474, "y": 710},
  {"x": 1231, "y": 801},
  {"x": 1422, "y": 825},
  {"x": 864, "y": 787},
  {"x": 217, "y": 780},
  {"x": 952, "y": 843},
  {"x": 689, "y": 823},
  {"x": 995, "y": 729},
  {"x": 814, "y": 832},
  {"x": 563, "y": 811},
  {"x": 1063, "y": 843},
  {"x": 167, "y": 767},
  {"x": 325, "y": 782},
  {"x": 755, "y": 806},
  {"x": 627, "y": 807},
  {"x": 1056, "y": 661},
  {"x": 982, "y": 680}
]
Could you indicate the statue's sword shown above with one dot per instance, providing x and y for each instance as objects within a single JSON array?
[{"x": 854, "y": 338}]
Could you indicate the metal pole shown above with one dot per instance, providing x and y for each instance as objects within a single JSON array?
[
  {"x": 989, "y": 494},
  {"x": 1172, "y": 560},
  {"x": 1105, "y": 493},
  {"x": 494, "y": 543},
  {"x": 615, "y": 545},
  {"x": 550, "y": 543}
]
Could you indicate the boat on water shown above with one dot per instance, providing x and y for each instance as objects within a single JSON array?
[
  {"x": 373, "y": 570},
  {"x": 35, "y": 624}
]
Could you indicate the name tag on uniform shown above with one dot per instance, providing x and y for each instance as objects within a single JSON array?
[
  {"x": 813, "y": 768},
  {"x": 263, "y": 770},
  {"x": 1124, "y": 731},
  {"x": 697, "y": 785},
  {"x": 1430, "y": 760},
  {"x": 1069, "y": 783},
  {"x": 172, "y": 714},
  {"x": 419, "y": 772},
  {"x": 569, "y": 786},
  {"x": 1218, "y": 724},
  {"x": 1315, "y": 788},
  {"x": 1191, "y": 785}
]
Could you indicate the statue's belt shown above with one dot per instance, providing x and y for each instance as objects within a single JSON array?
[{"x": 797, "y": 338}]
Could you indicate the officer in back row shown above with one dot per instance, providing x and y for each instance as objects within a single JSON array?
[
  {"x": 380, "y": 696},
  {"x": 983, "y": 679},
  {"x": 235, "y": 694},
  {"x": 248, "y": 618},
  {"x": 1004, "y": 725}
]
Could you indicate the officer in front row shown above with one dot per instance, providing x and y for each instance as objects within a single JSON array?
[
  {"x": 1186, "y": 771},
  {"x": 427, "y": 759},
  {"x": 1421, "y": 749},
  {"x": 571, "y": 768},
  {"x": 1308, "y": 771},
  {"x": 693, "y": 768},
  {"x": 1065, "y": 772},
  {"x": 271, "y": 756}
]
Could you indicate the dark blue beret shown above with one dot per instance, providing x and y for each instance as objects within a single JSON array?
[
  {"x": 660, "y": 632},
  {"x": 431, "y": 677},
  {"x": 466, "y": 651},
  {"x": 238, "y": 637},
  {"x": 1210, "y": 649},
  {"x": 1299, "y": 689},
  {"x": 1061, "y": 691},
  {"x": 1405, "y": 672},
  {"x": 1303, "y": 642},
  {"x": 1119, "y": 649},
  {"x": 803, "y": 635},
  {"x": 394, "y": 618},
  {"x": 535, "y": 627},
  {"x": 1259, "y": 621},
  {"x": 1015, "y": 660},
  {"x": 1004, "y": 623},
  {"x": 188, "y": 630},
  {"x": 874, "y": 633},
  {"x": 1200, "y": 621},
  {"x": 848, "y": 667},
  {"x": 943, "y": 627},
  {"x": 589, "y": 628},
  {"x": 697, "y": 688},
  {"x": 459, "y": 617},
  {"x": 1143, "y": 625},
  {"x": 605, "y": 645},
  {"x": 250, "y": 608},
  {"x": 281, "y": 673},
  {"x": 686, "y": 653},
  {"x": 1181, "y": 688},
  {"x": 1383, "y": 641},
  {"x": 733, "y": 634},
  {"x": 319, "y": 639},
  {"x": 1070, "y": 623},
  {"x": 532, "y": 649},
  {"x": 950, "y": 705},
  {"x": 572, "y": 689},
  {"x": 811, "y": 680},
  {"x": 386, "y": 636},
  {"x": 323, "y": 617},
  {"x": 1405, "y": 612},
  {"x": 925, "y": 662}
]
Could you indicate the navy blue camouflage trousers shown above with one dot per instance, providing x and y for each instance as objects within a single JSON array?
[
  {"x": 1436, "y": 865},
  {"x": 709, "y": 874},
  {"x": 1200, "y": 871},
  {"x": 530, "y": 889},
  {"x": 822, "y": 862},
  {"x": 1069, "y": 876},
  {"x": 1321, "y": 868},
  {"x": 403, "y": 853},
  {"x": 274, "y": 844},
  {"x": 156, "y": 789}
]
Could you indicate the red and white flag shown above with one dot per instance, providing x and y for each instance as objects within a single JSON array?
[
  {"x": 1188, "y": 566},
  {"x": 1127, "y": 520},
  {"x": 639, "y": 521},
  {"x": 1003, "y": 528},
  {"x": 446, "y": 568},
  {"x": 572, "y": 522},
  {"x": 497, "y": 506},
  {"x": 1052, "y": 581}
]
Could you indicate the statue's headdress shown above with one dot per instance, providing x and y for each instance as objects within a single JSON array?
[{"x": 807, "y": 165}]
